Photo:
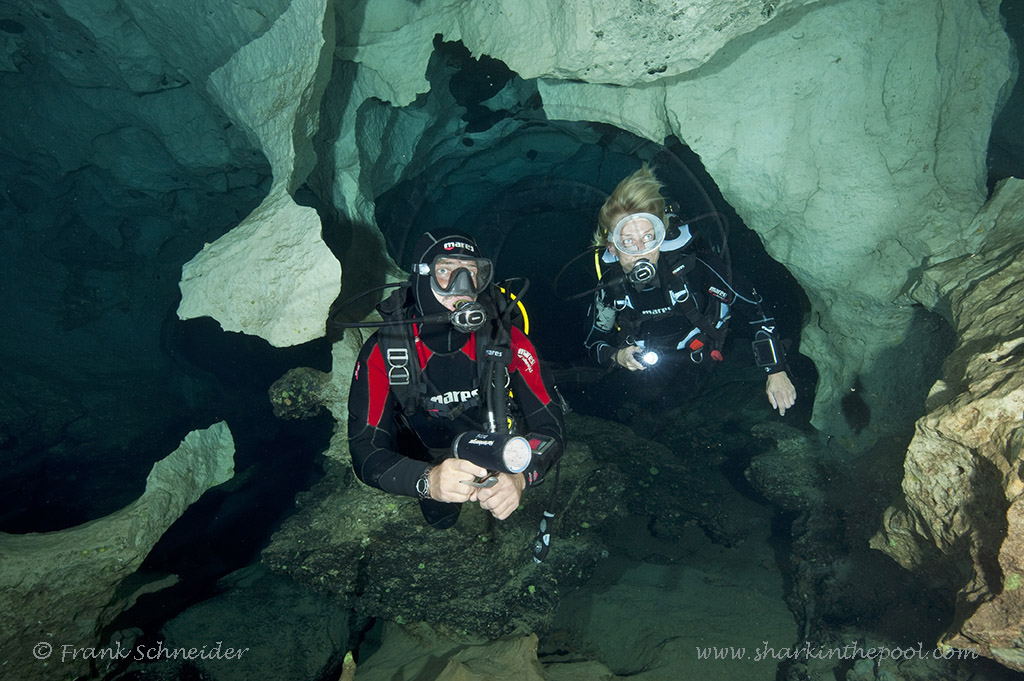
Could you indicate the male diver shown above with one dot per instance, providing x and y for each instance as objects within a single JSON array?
[
  {"x": 447, "y": 373},
  {"x": 662, "y": 308}
]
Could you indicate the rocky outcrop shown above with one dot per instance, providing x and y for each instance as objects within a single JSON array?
[
  {"x": 375, "y": 550},
  {"x": 61, "y": 588},
  {"x": 962, "y": 512},
  {"x": 286, "y": 631},
  {"x": 411, "y": 651}
]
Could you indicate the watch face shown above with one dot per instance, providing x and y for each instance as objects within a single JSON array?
[{"x": 517, "y": 454}]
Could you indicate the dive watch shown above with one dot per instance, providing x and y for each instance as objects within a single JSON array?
[{"x": 423, "y": 484}]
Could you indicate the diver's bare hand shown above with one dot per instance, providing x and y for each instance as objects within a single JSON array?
[
  {"x": 626, "y": 357},
  {"x": 504, "y": 497},
  {"x": 781, "y": 392},
  {"x": 447, "y": 480}
]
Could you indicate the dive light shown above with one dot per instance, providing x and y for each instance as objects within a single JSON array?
[
  {"x": 648, "y": 358},
  {"x": 494, "y": 451}
]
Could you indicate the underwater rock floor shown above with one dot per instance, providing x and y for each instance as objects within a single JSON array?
[
  {"x": 650, "y": 612},
  {"x": 654, "y": 621}
]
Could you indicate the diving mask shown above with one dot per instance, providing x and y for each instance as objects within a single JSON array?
[
  {"x": 457, "y": 275},
  {"x": 638, "y": 234}
]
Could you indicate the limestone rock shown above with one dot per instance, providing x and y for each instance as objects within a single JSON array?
[
  {"x": 291, "y": 63},
  {"x": 789, "y": 474},
  {"x": 477, "y": 578},
  {"x": 415, "y": 651},
  {"x": 272, "y": 276},
  {"x": 302, "y": 392},
  {"x": 62, "y": 588},
  {"x": 962, "y": 511},
  {"x": 299, "y": 394},
  {"x": 614, "y": 43}
]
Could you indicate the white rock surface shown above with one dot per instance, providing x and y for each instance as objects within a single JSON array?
[{"x": 273, "y": 276}]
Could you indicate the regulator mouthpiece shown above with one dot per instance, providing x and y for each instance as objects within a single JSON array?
[
  {"x": 468, "y": 316},
  {"x": 643, "y": 271}
]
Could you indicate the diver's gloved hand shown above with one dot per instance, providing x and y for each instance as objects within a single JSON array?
[
  {"x": 626, "y": 357},
  {"x": 503, "y": 498},
  {"x": 781, "y": 392},
  {"x": 446, "y": 480}
]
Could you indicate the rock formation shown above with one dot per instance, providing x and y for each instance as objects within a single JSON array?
[
  {"x": 142, "y": 145},
  {"x": 61, "y": 588},
  {"x": 962, "y": 512},
  {"x": 273, "y": 276}
]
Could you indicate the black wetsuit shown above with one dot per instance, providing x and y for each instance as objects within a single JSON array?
[
  {"x": 682, "y": 313},
  {"x": 448, "y": 366}
]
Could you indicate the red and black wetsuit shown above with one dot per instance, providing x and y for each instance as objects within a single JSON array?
[{"x": 376, "y": 417}]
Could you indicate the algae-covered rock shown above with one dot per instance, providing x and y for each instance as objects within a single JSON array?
[
  {"x": 300, "y": 394},
  {"x": 788, "y": 474},
  {"x": 672, "y": 485}
]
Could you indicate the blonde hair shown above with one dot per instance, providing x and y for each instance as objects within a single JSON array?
[{"x": 638, "y": 193}]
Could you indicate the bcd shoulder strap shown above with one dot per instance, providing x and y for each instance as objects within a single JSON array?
[{"x": 398, "y": 348}]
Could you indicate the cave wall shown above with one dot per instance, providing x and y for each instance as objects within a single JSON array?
[
  {"x": 960, "y": 517},
  {"x": 115, "y": 167},
  {"x": 856, "y": 153},
  {"x": 858, "y": 156},
  {"x": 273, "y": 276}
]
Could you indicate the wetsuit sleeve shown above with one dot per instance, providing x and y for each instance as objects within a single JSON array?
[
  {"x": 535, "y": 397},
  {"x": 372, "y": 428},
  {"x": 600, "y": 341},
  {"x": 751, "y": 306}
]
